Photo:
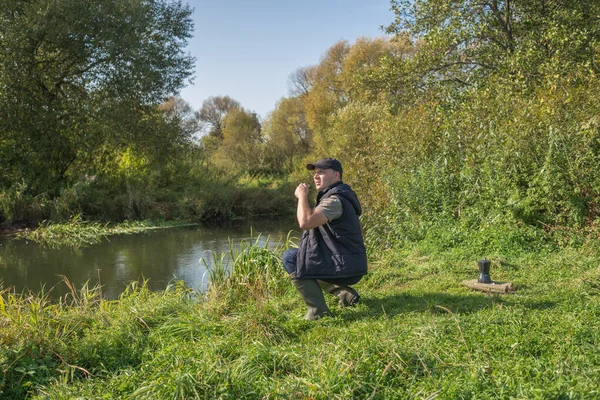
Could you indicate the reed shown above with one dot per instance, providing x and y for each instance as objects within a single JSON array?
[
  {"x": 249, "y": 269},
  {"x": 79, "y": 233}
]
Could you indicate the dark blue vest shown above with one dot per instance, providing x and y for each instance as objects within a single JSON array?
[{"x": 335, "y": 249}]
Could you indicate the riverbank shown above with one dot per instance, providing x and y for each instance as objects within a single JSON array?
[
  {"x": 417, "y": 333},
  {"x": 91, "y": 203},
  {"x": 90, "y": 217}
]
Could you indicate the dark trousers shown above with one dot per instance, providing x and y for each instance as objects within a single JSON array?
[{"x": 289, "y": 263}]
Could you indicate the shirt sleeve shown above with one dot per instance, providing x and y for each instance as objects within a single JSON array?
[{"x": 331, "y": 207}]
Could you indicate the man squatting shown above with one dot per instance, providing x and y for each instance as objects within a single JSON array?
[{"x": 332, "y": 254}]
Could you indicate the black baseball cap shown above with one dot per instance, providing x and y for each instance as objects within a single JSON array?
[{"x": 326, "y": 163}]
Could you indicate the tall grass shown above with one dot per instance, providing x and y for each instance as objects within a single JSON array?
[{"x": 249, "y": 269}]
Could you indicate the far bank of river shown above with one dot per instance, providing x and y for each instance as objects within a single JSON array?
[{"x": 158, "y": 256}]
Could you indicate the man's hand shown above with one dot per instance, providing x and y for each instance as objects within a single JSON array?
[
  {"x": 301, "y": 191},
  {"x": 307, "y": 219}
]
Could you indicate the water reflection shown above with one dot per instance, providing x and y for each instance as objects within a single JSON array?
[{"x": 159, "y": 256}]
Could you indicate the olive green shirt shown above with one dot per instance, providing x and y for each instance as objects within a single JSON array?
[{"x": 331, "y": 206}]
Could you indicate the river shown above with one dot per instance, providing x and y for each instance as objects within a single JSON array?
[{"x": 158, "y": 256}]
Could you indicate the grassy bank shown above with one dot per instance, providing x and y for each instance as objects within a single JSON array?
[{"x": 417, "y": 333}]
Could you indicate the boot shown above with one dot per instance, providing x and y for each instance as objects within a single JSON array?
[
  {"x": 346, "y": 295},
  {"x": 312, "y": 295}
]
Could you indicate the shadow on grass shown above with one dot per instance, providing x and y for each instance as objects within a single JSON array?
[{"x": 435, "y": 303}]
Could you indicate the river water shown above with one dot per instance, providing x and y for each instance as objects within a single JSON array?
[{"x": 158, "y": 256}]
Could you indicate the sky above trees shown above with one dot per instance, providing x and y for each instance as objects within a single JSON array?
[{"x": 248, "y": 49}]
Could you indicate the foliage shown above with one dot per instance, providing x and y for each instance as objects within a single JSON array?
[
  {"x": 341, "y": 78},
  {"x": 186, "y": 187},
  {"x": 249, "y": 270},
  {"x": 498, "y": 157},
  {"x": 78, "y": 233},
  {"x": 474, "y": 116},
  {"x": 287, "y": 135},
  {"x": 234, "y": 140},
  {"x": 308, "y": 122},
  {"x": 240, "y": 149},
  {"x": 70, "y": 73},
  {"x": 465, "y": 42},
  {"x": 213, "y": 112},
  {"x": 17, "y": 204}
]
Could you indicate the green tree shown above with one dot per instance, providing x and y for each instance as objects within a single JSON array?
[
  {"x": 75, "y": 78},
  {"x": 523, "y": 42}
]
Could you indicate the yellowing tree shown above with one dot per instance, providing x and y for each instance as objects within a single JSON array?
[
  {"x": 346, "y": 74},
  {"x": 241, "y": 148},
  {"x": 287, "y": 134}
]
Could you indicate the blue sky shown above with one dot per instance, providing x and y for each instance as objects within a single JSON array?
[{"x": 248, "y": 49}]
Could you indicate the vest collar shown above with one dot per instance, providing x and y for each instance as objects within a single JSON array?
[{"x": 327, "y": 189}]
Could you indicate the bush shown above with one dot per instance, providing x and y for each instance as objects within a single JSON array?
[{"x": 17, "y": 204}]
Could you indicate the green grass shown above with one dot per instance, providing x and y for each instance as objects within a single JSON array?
[
  {"x": 79, "y": 233},
  {"x": 416, "y": 334}
]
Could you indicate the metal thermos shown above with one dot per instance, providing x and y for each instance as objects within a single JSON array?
[{"x": 484, "y": 271}]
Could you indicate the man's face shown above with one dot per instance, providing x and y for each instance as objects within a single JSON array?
[{"x": 325, "y": 177}]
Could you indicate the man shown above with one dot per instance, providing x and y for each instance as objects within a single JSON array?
[{"x": 332, "y": 254}]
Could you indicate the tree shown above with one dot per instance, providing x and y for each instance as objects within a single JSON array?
[
  {"x": 464, "y": 42},
  {"x": 74, "y": 78},
  {"x": 300, "y": 81},
  {"x": 345, "y": 75},
  {"x": 242, "y": 139},
  {"x": 213, "y": 111},
  {"x": 287, "y": 133},
  {"x": 177, "y": 111}
]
